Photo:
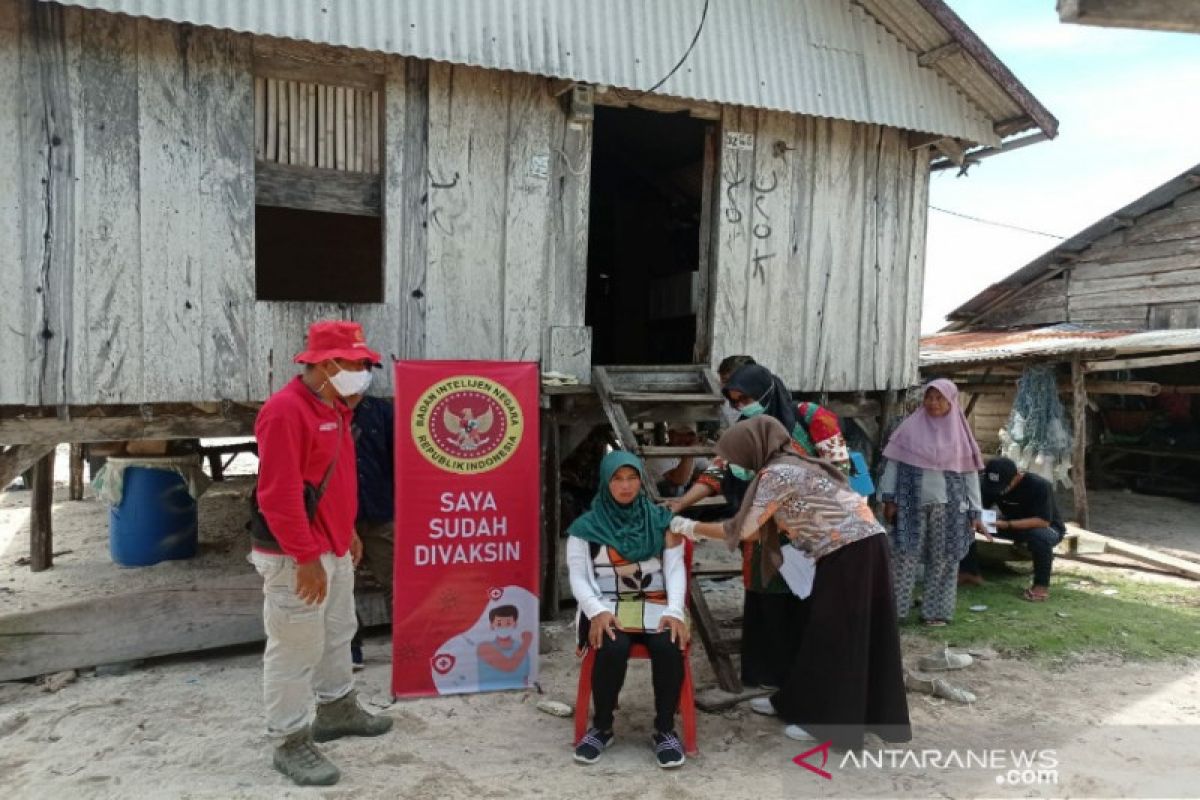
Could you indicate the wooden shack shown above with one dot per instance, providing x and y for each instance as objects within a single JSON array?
[
  {"x": 1118, "y": 307},
  {"x": 188, "y": 185}
]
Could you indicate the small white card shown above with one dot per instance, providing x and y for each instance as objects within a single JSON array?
[
  {"x": 798, "y": 571},
  {"x": 989, "y": 519}
]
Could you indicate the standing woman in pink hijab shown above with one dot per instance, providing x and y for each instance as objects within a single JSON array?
[{"x": 930, "y": 493}]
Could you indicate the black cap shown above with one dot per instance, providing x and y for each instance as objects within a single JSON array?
[{"x": 997, "y": 474}]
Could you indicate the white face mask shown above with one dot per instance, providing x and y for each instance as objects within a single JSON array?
[{"x": 350, "y": 383}]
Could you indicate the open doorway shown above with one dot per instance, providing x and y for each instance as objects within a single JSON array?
[{"x": 644, "y": 236}]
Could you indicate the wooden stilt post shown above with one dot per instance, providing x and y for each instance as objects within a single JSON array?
[
  {"x": 1079, "y": 459},
  {"x": 76, "y": 486},
  {"x": 551, "y": 514},
  {"x": 41, "y": 539}
]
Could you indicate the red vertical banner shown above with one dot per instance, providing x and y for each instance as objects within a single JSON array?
[{"x": 468, "y": 520}]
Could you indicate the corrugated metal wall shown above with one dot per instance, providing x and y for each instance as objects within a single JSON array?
[{"x": 824, "y": 58}]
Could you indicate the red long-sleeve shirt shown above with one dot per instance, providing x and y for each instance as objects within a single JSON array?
[{"x": 297, "y": 438}]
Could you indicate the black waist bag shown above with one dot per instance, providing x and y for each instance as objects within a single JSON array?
[{"x": 260, "y": 533}]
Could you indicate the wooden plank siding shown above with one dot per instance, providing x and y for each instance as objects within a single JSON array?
[
  {"x": 820, "y": 250},
  {"x": 1139, "y": 275},
  {"x": 127, "y": 250}
]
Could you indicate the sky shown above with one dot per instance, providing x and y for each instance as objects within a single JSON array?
[{"x": 1128, "y": 106}]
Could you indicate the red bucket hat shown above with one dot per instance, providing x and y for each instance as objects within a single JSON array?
[{"x": 336, "y": 339}]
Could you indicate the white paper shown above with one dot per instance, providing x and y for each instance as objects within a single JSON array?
[
  {"x": 798, "y": 571},
  {"x": 989, "y": 519}
]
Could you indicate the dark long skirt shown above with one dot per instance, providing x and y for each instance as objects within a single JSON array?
[
  {"x": 847, "y": 678},
  {"x": 772, "y": 628}
]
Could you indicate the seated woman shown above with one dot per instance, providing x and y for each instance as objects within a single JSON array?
[
  {"x": 846, "y": 678},
  {"x": 630, "y": 583}
]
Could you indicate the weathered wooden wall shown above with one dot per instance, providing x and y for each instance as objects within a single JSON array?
[
  {"x": 1146, "y": 274},
  {"x": 127, "y": 238},
  {"x": 989, "y": 415},
  {"x": 127, "y": 233},
  {"x": 820, "y": 250},
  {"x": 1044, "y": 304}
]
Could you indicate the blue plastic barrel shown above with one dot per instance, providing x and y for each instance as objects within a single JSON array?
[{"x": 155, "y": 521}]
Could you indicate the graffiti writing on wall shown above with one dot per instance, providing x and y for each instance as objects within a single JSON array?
[{"x": 761, "y": 187}]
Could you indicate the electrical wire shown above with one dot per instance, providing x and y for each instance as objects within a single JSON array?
[
  {"x": 683, "y": 58},
  {"x": 998, "y": 224}
]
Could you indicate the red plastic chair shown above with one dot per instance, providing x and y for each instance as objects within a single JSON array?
[{"x": 687, "y": 694}]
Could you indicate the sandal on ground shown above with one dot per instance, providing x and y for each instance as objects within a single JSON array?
[
  {"x": 944, "y": 660},
  {"x": 935, "y": 623},
  {"x": 938, "y": 687},
  {"x": 1036, "y": 594}
]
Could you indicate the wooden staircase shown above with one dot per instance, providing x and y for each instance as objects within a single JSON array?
[{"x": 657, "y": 393}]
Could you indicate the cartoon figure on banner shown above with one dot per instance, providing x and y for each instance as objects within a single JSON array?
[
  {"x": 467, "y": 429},
  {"x": 497, "y": 652}
]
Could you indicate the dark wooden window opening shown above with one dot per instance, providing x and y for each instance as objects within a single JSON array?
[{"x": 318, "y": 167}]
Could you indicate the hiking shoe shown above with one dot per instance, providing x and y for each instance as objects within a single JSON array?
[
  {"x": 798, "y": 733},
  {"x": 762, "y": 705},
  {"x": 944, "y": 660},
  {"x": 592, "y": 745},
  {"x": 299, "y": 759},
  {"x": 345, "y": 717},
  {"x": 668, "y": 750}
]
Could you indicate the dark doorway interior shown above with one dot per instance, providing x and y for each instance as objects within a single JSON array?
[{"x": 644, "y": 236}]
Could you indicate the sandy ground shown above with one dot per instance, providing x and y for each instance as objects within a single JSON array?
[{"x": 189, "y": 726}]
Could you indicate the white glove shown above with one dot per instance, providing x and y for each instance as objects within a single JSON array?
[{"x": 684, "y": 527}]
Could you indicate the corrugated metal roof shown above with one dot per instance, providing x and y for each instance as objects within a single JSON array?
[
  {"x": 997, "y": 294},
  {"x": 825, "y": 58},
  {"x": 978, "y": 347}
]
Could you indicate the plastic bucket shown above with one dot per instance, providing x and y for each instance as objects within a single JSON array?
[{"x": 155, "y": 521}]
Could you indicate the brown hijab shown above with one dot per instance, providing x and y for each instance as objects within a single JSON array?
[{"x": 754, "y": 444}]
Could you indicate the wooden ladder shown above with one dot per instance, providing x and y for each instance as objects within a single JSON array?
[{"x": 657, "y": 393}]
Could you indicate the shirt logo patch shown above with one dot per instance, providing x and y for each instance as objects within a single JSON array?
[{"x": 328, "y": 426}]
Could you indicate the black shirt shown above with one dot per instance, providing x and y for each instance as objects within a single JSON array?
[
  {"x": 373, "y": 431},
  {"x": 1033, "y": 496}
]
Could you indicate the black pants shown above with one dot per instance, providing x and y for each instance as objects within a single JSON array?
[
  {"x": 608, "y": 676},
  {"x": 772, "y": 627},
  {"x": 1040, "y": 542}
]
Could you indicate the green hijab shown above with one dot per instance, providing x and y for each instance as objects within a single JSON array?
[{"x": 636, "y": 531}]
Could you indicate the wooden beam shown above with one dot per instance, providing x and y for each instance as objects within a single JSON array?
[
  {"x": 1151, "y": 15},
  {"x": 41, "y": 534},
  {"x": 1111, "y": 546},
  {"x": 1079, "y": 459},
  {"x": 16, "y": 459},
  {"x": 623, "y": 98},
  {"x": 1141, "y": 363},
  {"x": 975, "y": 396},
  {"x": 1128, "y": 388},
  {"x": 291, "y": 53},
  {"x": 316, "y": 189},
  {"x": 952, "y": 150},
  {"x": 76, "y": 463},
  {"x": 931, "y": 57},
  {"x": 92, "y": 424}
]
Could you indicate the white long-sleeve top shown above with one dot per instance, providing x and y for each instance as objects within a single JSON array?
[{"x": 595, "y": 593}]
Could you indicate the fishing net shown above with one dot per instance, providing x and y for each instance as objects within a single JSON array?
[{"x": 1037, "y": 435}]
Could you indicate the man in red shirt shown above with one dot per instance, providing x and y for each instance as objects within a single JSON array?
[{"x": 307, "y": 557}]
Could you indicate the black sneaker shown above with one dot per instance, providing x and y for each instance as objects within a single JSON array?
[
  {"x": 592, "y": 745},
  {"x": 668, "y": 750}
]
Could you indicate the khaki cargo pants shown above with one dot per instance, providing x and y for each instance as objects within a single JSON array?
[{"x": 308, "y": 646}]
